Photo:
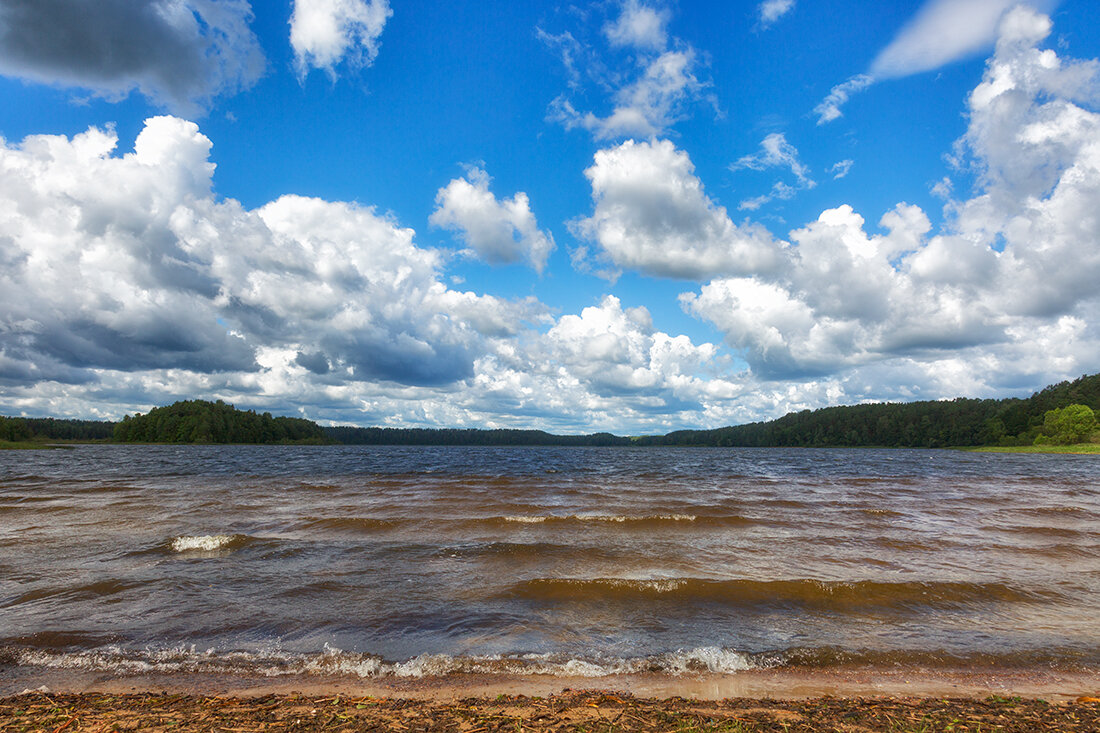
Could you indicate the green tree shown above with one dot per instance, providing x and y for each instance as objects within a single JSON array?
[{"x": 1068, "y": 425}]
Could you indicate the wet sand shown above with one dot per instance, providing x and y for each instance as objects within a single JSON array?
[{"x": 787, "y": 684}]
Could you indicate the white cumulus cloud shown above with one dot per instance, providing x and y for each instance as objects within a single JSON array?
[
  {"x": 324, "y": 33},
  {"x": 499, "y": 231},
  {"x": 130, "y": 263},
  {"x": 640, "y": 26},
  {"x": 770, "y": 11},
  {"x": 651, "y": 214}
]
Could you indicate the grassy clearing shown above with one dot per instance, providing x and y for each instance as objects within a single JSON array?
[
  {"x": 1078, "y": 448},
  {"x": 22, "y": 445}
]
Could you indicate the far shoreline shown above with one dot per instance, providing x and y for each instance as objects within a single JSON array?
[{"x": 1077, "y": 449}]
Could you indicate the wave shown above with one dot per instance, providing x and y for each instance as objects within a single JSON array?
[
  {"x": 537, "y": 550},
  {"x": 96, "y": 591},
  {"x": 338, "y": 663},
  {"x": 372, "y": 525},
  {"x": 804, "y": 593},
  {"x": 208, "y": 543},
  {"x": 640, "y": 520},
  {"x": 356, "y": 525},
  {"x": 333, "y": 662}
]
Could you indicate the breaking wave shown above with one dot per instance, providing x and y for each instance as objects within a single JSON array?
[
  {"x": 333, "y": 662},
  {"x": 336, "y": 662},
  {"x": 208, "y": 543}
]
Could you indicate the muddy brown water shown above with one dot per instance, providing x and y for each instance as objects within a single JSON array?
[{"x": 393, "y": 562}]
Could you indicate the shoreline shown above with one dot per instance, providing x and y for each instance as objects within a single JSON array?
[{"x": 781, "y": 683}]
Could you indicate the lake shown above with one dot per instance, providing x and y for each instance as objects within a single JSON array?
[{"x": 409, "y": 561}]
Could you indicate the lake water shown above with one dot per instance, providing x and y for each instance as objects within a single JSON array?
[{"x": 382, "y": 561}]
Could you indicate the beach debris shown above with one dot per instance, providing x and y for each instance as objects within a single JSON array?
[{"x": 588, "y": 710}]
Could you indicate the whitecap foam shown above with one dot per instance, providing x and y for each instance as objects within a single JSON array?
[
  {"x": 202, "y": 543},
  {"x": 613, "y": 518},
  {"x": 620, "y": 518},
  {"x": 336, "y": 662},
  {"x": 708, "y": 659}
]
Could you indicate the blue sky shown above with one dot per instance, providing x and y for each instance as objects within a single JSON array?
[{"x": 623, "y": 215}]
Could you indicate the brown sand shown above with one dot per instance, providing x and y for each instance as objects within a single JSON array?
[{"x": 570, "y": 711}]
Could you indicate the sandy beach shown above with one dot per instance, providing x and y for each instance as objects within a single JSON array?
[
  {"x": 845, "y": 699},
  {"x": 581, "y": 710}
]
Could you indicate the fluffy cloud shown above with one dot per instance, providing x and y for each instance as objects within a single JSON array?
[
  {"x": 651, "y": 214},
  {"x": 1004, "y": 287},
  {"x": 770, "y": 11},
  {"x": 498, "y": 231},
  {"x": 609, "y": 366},
  {"x": 324, "y": 33},
  {"x": 179, "y": 53},
  {"x": 639, "y": 26}
]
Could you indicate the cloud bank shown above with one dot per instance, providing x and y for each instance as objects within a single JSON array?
[
  {"x": 178, "y": 53},
  {"x": 126, "y": 282}
]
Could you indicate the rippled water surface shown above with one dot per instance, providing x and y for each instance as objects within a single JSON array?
[{"x": 287, "y": 560}]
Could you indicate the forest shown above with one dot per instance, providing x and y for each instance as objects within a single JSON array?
[
  {"x": 1059, "y": 414},
  {"x": 198, "y": 421}
]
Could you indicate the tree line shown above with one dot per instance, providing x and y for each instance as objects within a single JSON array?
[
  {"x": 15, "y": 429},
  {"x": 927, "y": 424}
]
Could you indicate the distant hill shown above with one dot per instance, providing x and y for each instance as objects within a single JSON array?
[
  {"x": 928, "y": 424},
  {"x": 198, "y": 421}
]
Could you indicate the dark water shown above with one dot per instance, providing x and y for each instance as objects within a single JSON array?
[{"x": 409, "y": 561}]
